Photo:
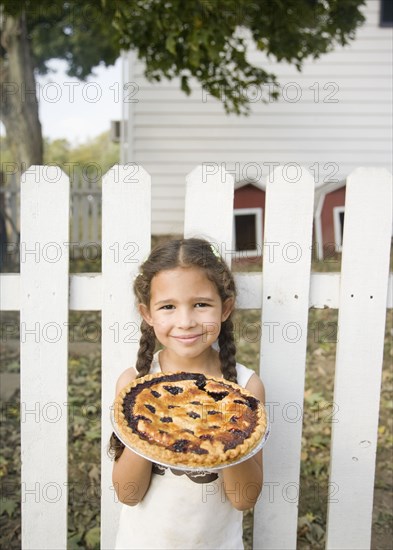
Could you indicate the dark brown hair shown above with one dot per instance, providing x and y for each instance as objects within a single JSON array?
[{"x": 184, "y": 253}]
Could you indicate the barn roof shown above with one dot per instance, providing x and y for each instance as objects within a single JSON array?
[
  {"x": 320, "y": 192},
  {"x": 323, "y": 190},
  {"x": 258, "y": 184}
]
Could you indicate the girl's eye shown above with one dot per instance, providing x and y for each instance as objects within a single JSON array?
[
  {"x": 201, "y": 304},
  {"x": 167, "y": 307}
]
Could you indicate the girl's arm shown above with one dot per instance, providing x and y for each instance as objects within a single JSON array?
[
  {"x": 131, "y": 473},
  {"x": 243, "y": 483}
]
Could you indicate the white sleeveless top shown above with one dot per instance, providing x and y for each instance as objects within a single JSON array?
[{"x": 183, "y": 511}]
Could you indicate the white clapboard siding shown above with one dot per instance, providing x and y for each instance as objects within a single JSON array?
[
  {"x": 344, "y": 56},
  {"x": 262, "y": 121},
  {"x": 126, "y": 211},
  {"x": 282, "y": 107},
  {"x": 216, "y": 156},
  {"x": 336, "y": 110},
  {"x": 286, "y": 274},
  {"x": 292, "y": 92},
  {"x": 325, "y": 170},
  {"x": 361, "y": 323},
  {"x": 43, "y": 358},
  {"x": 146, "y": 133},
  {"x": 287, "y": 145}
]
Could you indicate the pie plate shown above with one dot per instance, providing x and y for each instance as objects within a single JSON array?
[{"x": 251, "y": 453}]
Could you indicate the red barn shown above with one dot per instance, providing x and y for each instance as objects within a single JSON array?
[
  {"x": 248, "y": 219},
  {"x": 249, "y": 208},
  {"x": 329, "y": 218}
]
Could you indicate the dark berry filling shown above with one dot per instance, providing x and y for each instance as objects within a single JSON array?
[
  {"x": 174, "y": 390},
  {"x": 218, "y": 396},
  {"x": 252, "y": 402},
  {"x": 199, "y": 451},
  {"x": 181, "y": 445}
]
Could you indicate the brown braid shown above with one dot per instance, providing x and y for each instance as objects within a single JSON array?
[
  {"x": 116, "y": 447},
  {"x": 170, "y": 255},
  {"x": 147, "y": 345},
  {"x": 227, "y": 352}
]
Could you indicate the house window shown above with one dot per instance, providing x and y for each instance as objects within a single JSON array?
[
  {"x": 338, "y": 221},
  {"x": 386, "y": 13},
  {"x": 248, "y": 231},
  {"x": 115, "y": 131}
]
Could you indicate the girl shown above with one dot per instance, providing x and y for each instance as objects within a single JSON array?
[{"x": 186, "y": 295}]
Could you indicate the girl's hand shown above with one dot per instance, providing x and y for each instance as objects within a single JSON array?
[
  {"x": 131, "y": 473},
  {"x": 242, "y": 483},
  {"x": 131, "y": 477}
]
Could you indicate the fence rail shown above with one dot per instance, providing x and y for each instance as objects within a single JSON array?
[{"x": 44, "y": 292}]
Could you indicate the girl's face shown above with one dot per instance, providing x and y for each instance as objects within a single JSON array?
[{"x": 185, "y": 311}]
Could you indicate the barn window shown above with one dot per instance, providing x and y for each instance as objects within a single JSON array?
[
  {"x": 248, "y": 231},
  {"x": 386, "y": 13},
  {"x": 338, "y": 221}
]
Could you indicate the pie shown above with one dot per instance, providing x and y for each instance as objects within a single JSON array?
[{"x": 189, "y": 419}]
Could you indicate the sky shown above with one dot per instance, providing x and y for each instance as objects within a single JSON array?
[{"x": 76, "y": 110}]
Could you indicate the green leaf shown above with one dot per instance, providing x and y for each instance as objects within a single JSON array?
[
  {"x": 93, "y": 434},
  {"x": 194, "y": 58},
  {"x": 170, "y": 43},
  {"x": 184, "y": 85},
  {"x": 92, "y": 538},
  {"x": 7, "y": 506},
  {"x": 73, "y": 541}
]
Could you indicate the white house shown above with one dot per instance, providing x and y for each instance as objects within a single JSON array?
[{"x": 331, "y": 118}]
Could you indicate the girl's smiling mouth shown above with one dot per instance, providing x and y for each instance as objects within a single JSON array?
[{"x": 186, "y": 337}]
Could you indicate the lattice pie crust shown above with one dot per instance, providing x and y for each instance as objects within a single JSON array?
[{"x": 189, "y": 419}]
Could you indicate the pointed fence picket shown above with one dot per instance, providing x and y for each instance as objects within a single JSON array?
[
  {"x": 44, "y": 357},
  {"x": 209, "y": 207},
  {"x": 125, "y": 244},
  {"x": 284, "y": 290},
  {"x": 361, "y": 330},
  {"x": 286, "y": 284}
]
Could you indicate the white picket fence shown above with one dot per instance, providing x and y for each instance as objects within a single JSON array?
[
  {"x": 285, "y": 290},
  {"x": 85, "y": 214}
]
